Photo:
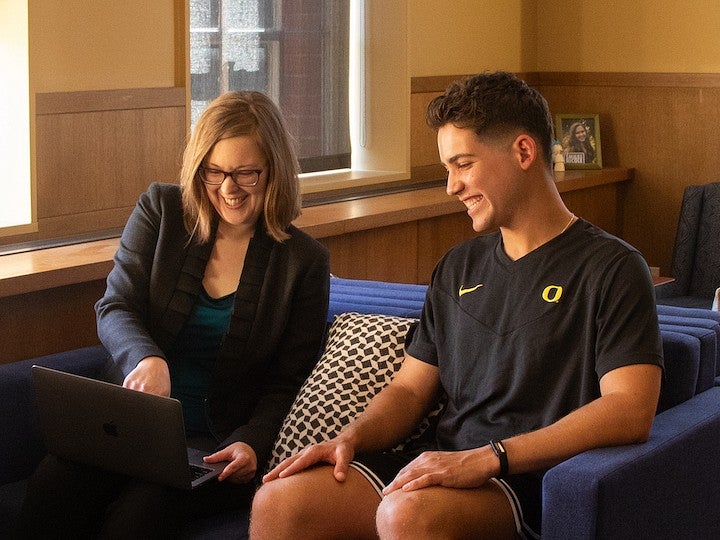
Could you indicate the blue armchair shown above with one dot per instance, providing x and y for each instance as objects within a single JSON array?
[{"x": 696, "y": 257}]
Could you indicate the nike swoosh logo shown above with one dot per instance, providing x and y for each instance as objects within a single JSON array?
[{"x": 464, "y": 290}]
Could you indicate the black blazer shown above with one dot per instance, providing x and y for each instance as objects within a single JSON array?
[{"x": 276, "y": 327}]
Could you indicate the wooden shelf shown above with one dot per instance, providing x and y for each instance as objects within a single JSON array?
[{"x": 43, "y": 269}]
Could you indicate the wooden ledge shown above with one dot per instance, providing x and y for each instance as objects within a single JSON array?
[
  {"x": 30, "y": 271},
  {"x": 42, "y": 269},
  {"x": 362, "y": 214},
  {"x": 583, "y": 179}
]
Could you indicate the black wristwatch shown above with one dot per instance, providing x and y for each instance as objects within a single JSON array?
[{"x": 499, "y": 448}]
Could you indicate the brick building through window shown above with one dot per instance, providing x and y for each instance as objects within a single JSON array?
[{"x": 296, "y": 51}]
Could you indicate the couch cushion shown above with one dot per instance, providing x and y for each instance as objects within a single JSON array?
[
  {"x": 702, "y": 318},
  {"x": 694, "y": 313},
  {"x": 682, "y": 364},
  {"x": 366, "y": 296},
  {"x": 708, "y": 352},
  {"x": 21, "y": 452},
  {"x": 362, "y": 354}
]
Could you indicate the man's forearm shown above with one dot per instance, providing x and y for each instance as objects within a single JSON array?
[
  {"x": 623, "y": 415},
  {"x": 388, "y": 420}
]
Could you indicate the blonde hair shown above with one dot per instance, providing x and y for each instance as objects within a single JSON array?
[{"x": 235, "y": 114}]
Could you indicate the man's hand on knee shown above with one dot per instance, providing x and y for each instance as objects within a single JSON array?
[
  {"x": 461, "y": 469},
  {"x": 337, "y": 452}
]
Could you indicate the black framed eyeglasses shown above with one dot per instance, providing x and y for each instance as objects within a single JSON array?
[{"x": 241, "y": 177}]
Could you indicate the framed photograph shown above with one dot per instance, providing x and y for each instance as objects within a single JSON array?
[{"x": 579, "y": 135}]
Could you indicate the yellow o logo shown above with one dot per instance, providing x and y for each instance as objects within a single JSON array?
[{"x": 552, "y": 293}]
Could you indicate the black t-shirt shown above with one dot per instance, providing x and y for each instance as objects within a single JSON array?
[{"x": 520, "y": 344}]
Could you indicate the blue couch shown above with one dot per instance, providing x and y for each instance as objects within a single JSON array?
[{"x": 665, "y": 488}]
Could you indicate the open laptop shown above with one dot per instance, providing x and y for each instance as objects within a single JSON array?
[{"x": 117, "y": 429}]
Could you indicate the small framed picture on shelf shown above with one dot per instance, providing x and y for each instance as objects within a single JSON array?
[{"x": 579, "y": 135}]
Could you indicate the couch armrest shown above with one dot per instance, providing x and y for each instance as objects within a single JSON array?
[
  {"x": 20, "y": 441},
  {"x": 665, "y": 488}
]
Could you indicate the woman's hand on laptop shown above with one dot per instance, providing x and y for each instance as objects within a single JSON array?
[
  {"x": 242, "y": 464},
  {"x": 151, "y": 375}
]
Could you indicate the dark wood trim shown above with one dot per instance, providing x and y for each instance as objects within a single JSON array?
[
  {"x": 575, "y": 180},
  {"x": 420, "y": 85},
  {"x": 108, "y": 100},
  {"x": 423, "y": 85},
  {"x": 636, "y": 79},
  {"x": 181, "y": 35}
]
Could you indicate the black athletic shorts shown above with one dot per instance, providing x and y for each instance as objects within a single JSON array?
[{"x": 524, "y": 491}]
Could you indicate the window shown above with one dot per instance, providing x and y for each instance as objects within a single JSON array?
[
  {"x": 15, "y": 180},
  {"x": 377, "y": 90},
  {"x": 296, "y": 52},
  {"x": 359, "y": 82}
]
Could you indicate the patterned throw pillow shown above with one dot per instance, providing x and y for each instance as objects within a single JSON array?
[{"x": 361, "y": 355}]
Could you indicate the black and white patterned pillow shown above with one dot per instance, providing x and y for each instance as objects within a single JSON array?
[{"x": 361, "y": 355}]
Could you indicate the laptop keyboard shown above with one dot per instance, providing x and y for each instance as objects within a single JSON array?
[{"x": 196, "y": 471}]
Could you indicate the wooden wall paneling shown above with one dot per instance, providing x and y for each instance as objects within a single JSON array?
[
  {"x": 599, "y": 205},
  {"x": 77, "y": 224},
  {"x": 679, "y": 151},
  {"x": 436, "y": 236},
  {"x": 52, "y": 291},
  {"x": 374, "y": 246},
  {"x": 663, "y": 126},
  {"x": 126, "y": 151},
  {"x": 108, "y": 169},
  {"x": 45, "y": 322},
  {"x": 423, "y": 140},
  {"x": 97, "y": 151},
  {"x": 42, "y": 269},
  {"x": 387, "y": 253}
]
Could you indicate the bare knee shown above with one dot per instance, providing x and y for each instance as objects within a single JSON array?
[
  {"x": 405, "y": 515},
  {"x": 276, "y": 510},
  {"x": 446, "y": 513},
  {"x": 312, "y": 504}
]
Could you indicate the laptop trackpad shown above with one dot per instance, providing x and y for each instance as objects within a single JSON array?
[{"x": 201, "y": 471}]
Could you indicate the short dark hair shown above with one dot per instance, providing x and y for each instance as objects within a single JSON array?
[{"x": 494, "y": 105}]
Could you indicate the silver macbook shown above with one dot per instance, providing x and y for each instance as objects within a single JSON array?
[{"x": 117, "y": 429}]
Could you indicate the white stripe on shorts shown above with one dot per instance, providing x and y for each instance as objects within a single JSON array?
[
  {"x": 523, "y": 530},
  {"x": 370, "y": 476}
]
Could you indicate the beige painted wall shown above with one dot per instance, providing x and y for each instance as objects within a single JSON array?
[
  {"x": 638, "y": 36},
  {"x": 468, "y": 36},
  {"x": 78, "y": 45}
]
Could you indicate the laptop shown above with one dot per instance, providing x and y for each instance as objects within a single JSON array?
[{"x": 117, "y": 429}]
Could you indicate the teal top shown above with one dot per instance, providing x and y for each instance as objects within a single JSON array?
[{"x": 194, "y": 355}]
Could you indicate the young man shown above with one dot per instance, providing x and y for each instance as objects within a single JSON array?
[{"x": 541, "y": 333}]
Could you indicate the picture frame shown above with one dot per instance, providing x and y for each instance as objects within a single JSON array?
[{"x": 581, "y": 150}]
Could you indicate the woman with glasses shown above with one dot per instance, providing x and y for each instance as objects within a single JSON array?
[{"x": 214, "y": 299}]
